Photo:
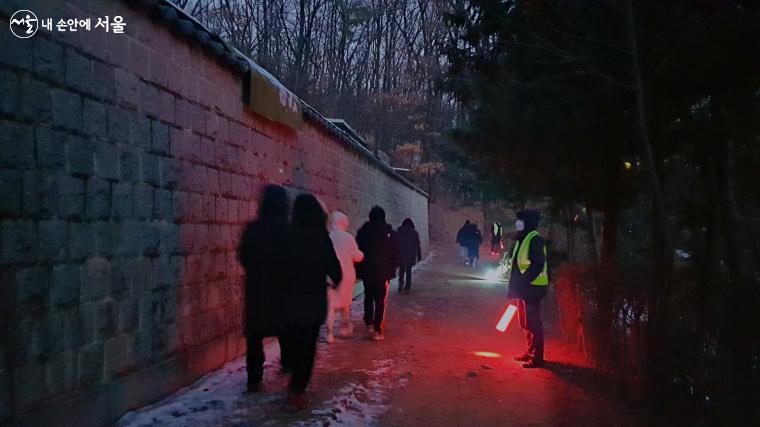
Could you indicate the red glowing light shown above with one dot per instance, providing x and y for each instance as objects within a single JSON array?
[
  {"x": 509, "y": 313},
  {"x": 488, "y": 354}
]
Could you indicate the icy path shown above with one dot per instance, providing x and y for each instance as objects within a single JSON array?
[
  {"x": 219, "y": 398},
  {"x": 442, "y": 364}
]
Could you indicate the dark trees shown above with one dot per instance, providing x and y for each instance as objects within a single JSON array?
[{"x": 646, "y": 111}]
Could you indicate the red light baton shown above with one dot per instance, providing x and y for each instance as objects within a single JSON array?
[{"x": 509, "y": 313}]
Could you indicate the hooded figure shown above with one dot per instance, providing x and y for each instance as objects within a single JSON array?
[
  {"x": 527, "y": 287},
  {"x": 473, "y": 240},
  {"x": 263, "y": 253},
  {"x": 408, "y": 252},
  {"x": 375, "y": 239},
  {"x": 462, "y": 238},
  {"x": 348, "y": 252},
  {"x": 305, "y": 297},
  {"x": 520, "y": 283}
]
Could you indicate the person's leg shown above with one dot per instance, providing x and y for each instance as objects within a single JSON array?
[
  {"x": 296, "y": 345},
  {"x": 522, "y": 318},
  {"x": 408, "y": 273},
  {"x": 286, "y": 362},
  {"x": 346, "y": 325},
  {"x": 254, "y": 360},
  {"x": 401, "y": 269},
  {"x": 520, "y": 303},
  {"x": 380, "y": 291},
  {"x": 369, "y": 304},
  {"x": 331, "y": 312},
  {"x": 305, "y": 340},
  {"x": 536, "y": 327}
]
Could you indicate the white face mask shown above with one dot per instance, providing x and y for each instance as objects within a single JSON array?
[{"x": 519, "y": 225}]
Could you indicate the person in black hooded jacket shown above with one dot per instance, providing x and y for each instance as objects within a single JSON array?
[
  {"x": 313, "y": 260},
  {"x": 305, "y": 292},
  {"x": 527, "y": 294},
  {"x": 408, "y": 252},
  {"x": 375, "y": 239},
  {"x": 263, "y": 253}
]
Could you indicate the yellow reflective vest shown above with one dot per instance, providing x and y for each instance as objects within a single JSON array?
[{"x": 520, "y": 256}]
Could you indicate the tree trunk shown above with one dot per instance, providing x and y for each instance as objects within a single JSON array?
[
  {"x": 485, "y": 209},
  {"x": 737, "y": 330},
  {"x": 592, "y": 234},
  {"x": 661, "y": 257},
  {"x": 610, "y": 231}
]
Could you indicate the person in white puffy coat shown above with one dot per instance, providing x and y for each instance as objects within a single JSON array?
[{"x": 339, "y": 299}]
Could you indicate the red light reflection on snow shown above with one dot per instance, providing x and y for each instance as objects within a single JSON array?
[{"x": 488, "y": 354}]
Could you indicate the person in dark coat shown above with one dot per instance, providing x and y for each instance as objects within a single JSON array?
[
  {"x": 473, "y": 239},
  {"x": 312, "y": 261},
  {"x": 523, "y": 287},
  {"x": 408, "y": 253},
  {"x": 462, "y": 238},
  {"x": 263, "y": 253},
  {"x": 375, "y": 239}
]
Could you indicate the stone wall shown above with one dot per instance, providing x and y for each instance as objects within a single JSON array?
[{"x": 128, "y": 165}]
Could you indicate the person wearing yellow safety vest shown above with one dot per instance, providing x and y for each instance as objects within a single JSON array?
[{"x": 528, "y": 281}]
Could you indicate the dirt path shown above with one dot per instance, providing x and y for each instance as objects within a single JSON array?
[{"x": 442, "y": 364}]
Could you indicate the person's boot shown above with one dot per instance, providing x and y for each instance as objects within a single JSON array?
[
  {"x": 347, "y": 331},
  {"x": 378, "y": 336},
  {"x": 523, "y": 357},
  {"x": 254, "y": 387},
  {"x": 533, "y": 363},
  {"x": 297, "y": 401}
]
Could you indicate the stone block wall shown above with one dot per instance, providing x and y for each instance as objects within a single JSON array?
[{"x": 128, "y": 166}]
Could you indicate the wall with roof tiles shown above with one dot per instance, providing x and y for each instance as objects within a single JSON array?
[{"x": 128, "y": 165}]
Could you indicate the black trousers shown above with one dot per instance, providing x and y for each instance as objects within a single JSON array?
[
  {"x": 302, "y": 349},
  {"x": 529, "y": 313},
  {"x": 405, "y": 276},
  {"x": 254, "y": 359},
  {"x": 374, "y": 303}
]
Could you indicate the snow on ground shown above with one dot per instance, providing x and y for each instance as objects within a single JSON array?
[
  {"x": 209, "y": 399},
  {"x": 357, "y": 404},
  {"x": 219, "y": 397}
]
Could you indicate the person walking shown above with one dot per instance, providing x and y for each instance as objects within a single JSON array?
[
  {"x": 313, "y": 260},
  {"x": 263, "y": 253},
  {"x": 473, "y": 239},
  {"x": 375, "y": 240},
  {"x": 339, "y": 299},
  {"x": 496, "y": 238},
  {"x": 462, "y": 239},
  {"x": 408, "y": 252},
  {"x": 528, "y": 282}
]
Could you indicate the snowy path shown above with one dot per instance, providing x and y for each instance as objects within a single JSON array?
[
  {"x": 218, "y": 398},
  {"x": 442, "y": 363}
]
